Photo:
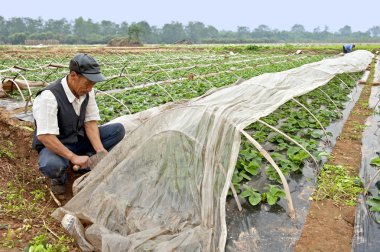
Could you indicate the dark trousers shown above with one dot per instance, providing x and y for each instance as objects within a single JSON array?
[
  {"x": 55, "y": 167},
  {"x": 344, "y": 50}
]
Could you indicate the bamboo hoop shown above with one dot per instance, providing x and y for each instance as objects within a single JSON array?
[
  {"x": 113, "y": 97},
  {"x": 19, "y": 90},
  {"x": 328, "y": 97},
  {"x": 370, "y": 182},
  {"x": 232, "y": 189}
]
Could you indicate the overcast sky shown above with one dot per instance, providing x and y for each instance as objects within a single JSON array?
[{"x": 222, "y": 14}]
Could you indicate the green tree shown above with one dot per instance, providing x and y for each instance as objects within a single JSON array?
[
  {"x": 172, "y": 32},
  {"x": 156, "y": 34},
  {"x": 243, "y": 32},
  {"x": 123, "y": 29},
  {"x": 374, "y": 31},
  {"x": 60, "y": 26},
  {"x": 134, "y": 32},
  {"x": 317, "y": 30},
  {"x": 34, "y": 25},
  {"x": 345, "y": 30},
  {"x": 211, "y": 32},
  {"x": 16, "y": 25},
  {"x": 84, "y": 29},
  {"x": 17, "y": 38},
  {"x": 3, "y": 30},
  {"x": 196, "y": 31},
  {"x": 145, "y": 31},
  {"x": 262, "y": 32},
  {"x": 297, "y": 28},
  {"x": 108, "y": 28}
]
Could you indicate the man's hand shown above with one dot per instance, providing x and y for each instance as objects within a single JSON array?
[
  {"x": 92, "y": 161},
  {"x": 81, "y": 161}
]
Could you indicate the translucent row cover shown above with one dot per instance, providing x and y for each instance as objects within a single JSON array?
[{"x": 164, "y": 187}]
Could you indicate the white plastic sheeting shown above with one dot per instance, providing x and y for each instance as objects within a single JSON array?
[
  {"x": 376, "y": 77},
  {"x": 164, "y": 187}
]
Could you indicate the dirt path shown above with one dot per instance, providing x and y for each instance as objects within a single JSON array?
[{"x": 329, "y": 226}]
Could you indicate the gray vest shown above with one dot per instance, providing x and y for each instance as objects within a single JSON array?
[{"x": 71, "y": 126}]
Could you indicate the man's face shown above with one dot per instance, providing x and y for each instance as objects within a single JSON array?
[{"x": 82, "y": 85}]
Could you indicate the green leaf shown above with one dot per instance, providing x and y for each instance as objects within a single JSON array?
[
  {"x": 242, "y": 173},
  {"x": 282, "y": 146},
  {"x": 373, "y": 202},
  {"x": 274, "y": 194},
  {"x": 253, "y": 168},
  {"x": 249, "y": 191},
  {"x": 375, "y": 208},
  {"x": 254, "y": 200},
  {"x": 254, "y": 197},
  {"x": 247, "y": 154},
  {"x": 323, "y": 154},
  {"x": 271, "y": 199},
  {"x": 293, "y": 150},
  {"x": 300, "y": 156},
  {"x": 375, "y": 161},
  {"x": 315, "y": 134},
  {"x": 236, "y": 178},
  {"x": 245, "y": 194},
  {"x": 302, "y": 124}
]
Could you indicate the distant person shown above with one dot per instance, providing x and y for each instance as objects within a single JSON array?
[
  {"x": 66, "y": 115},
  {"x": 347, "y": 48}
]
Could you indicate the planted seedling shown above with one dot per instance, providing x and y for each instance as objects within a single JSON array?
[
  {"x": 375, "y": 161},
  {"x": 374, "y": 203},
  {"x": 273, "y": 195},
  {"x": 253, "y": 195}
]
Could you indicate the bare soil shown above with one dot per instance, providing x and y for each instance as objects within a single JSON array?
[{"x": 25, "y": 217}]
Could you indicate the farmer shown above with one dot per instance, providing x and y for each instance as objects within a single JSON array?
[
  {"x": 66, "y": 115},
  {"x": 347, "y": 48}
]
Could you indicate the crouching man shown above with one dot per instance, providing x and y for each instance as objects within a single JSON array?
[
  {"x": 66, "y": 115},
  {"x": 347, "y": 48}
]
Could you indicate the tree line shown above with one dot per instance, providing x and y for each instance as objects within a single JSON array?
[{"x": 18, "y": 30}]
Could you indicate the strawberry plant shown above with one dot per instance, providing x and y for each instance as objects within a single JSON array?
[
  {"x": 274, "y": 194},
  {"x": 254, "y": 197},
  {"x": 374, "y": 203}
]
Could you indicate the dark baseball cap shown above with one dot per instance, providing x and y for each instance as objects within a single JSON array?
[{"x": 87, "y": 66}]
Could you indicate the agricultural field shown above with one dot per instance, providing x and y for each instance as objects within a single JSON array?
[
  {"x": 300, "y": 137},
  {"x": 138, "y": 81}
]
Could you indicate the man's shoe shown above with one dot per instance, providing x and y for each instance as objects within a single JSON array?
[{"x": 57, "y": 188}]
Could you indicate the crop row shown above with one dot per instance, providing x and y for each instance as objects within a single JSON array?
[
  {"x": 325, "y": 103},
  {"x": 135, "y": 69},
  {"x": 184, "y": 88}
]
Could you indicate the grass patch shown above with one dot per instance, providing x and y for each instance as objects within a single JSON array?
[
  {"x": 335, "y": 183},
  {"x": 5, "y": 150},
  {"x": 358, "y": 127},
  {"x": 41, "y": 243},
  {"x": 27, "y": 208}
]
